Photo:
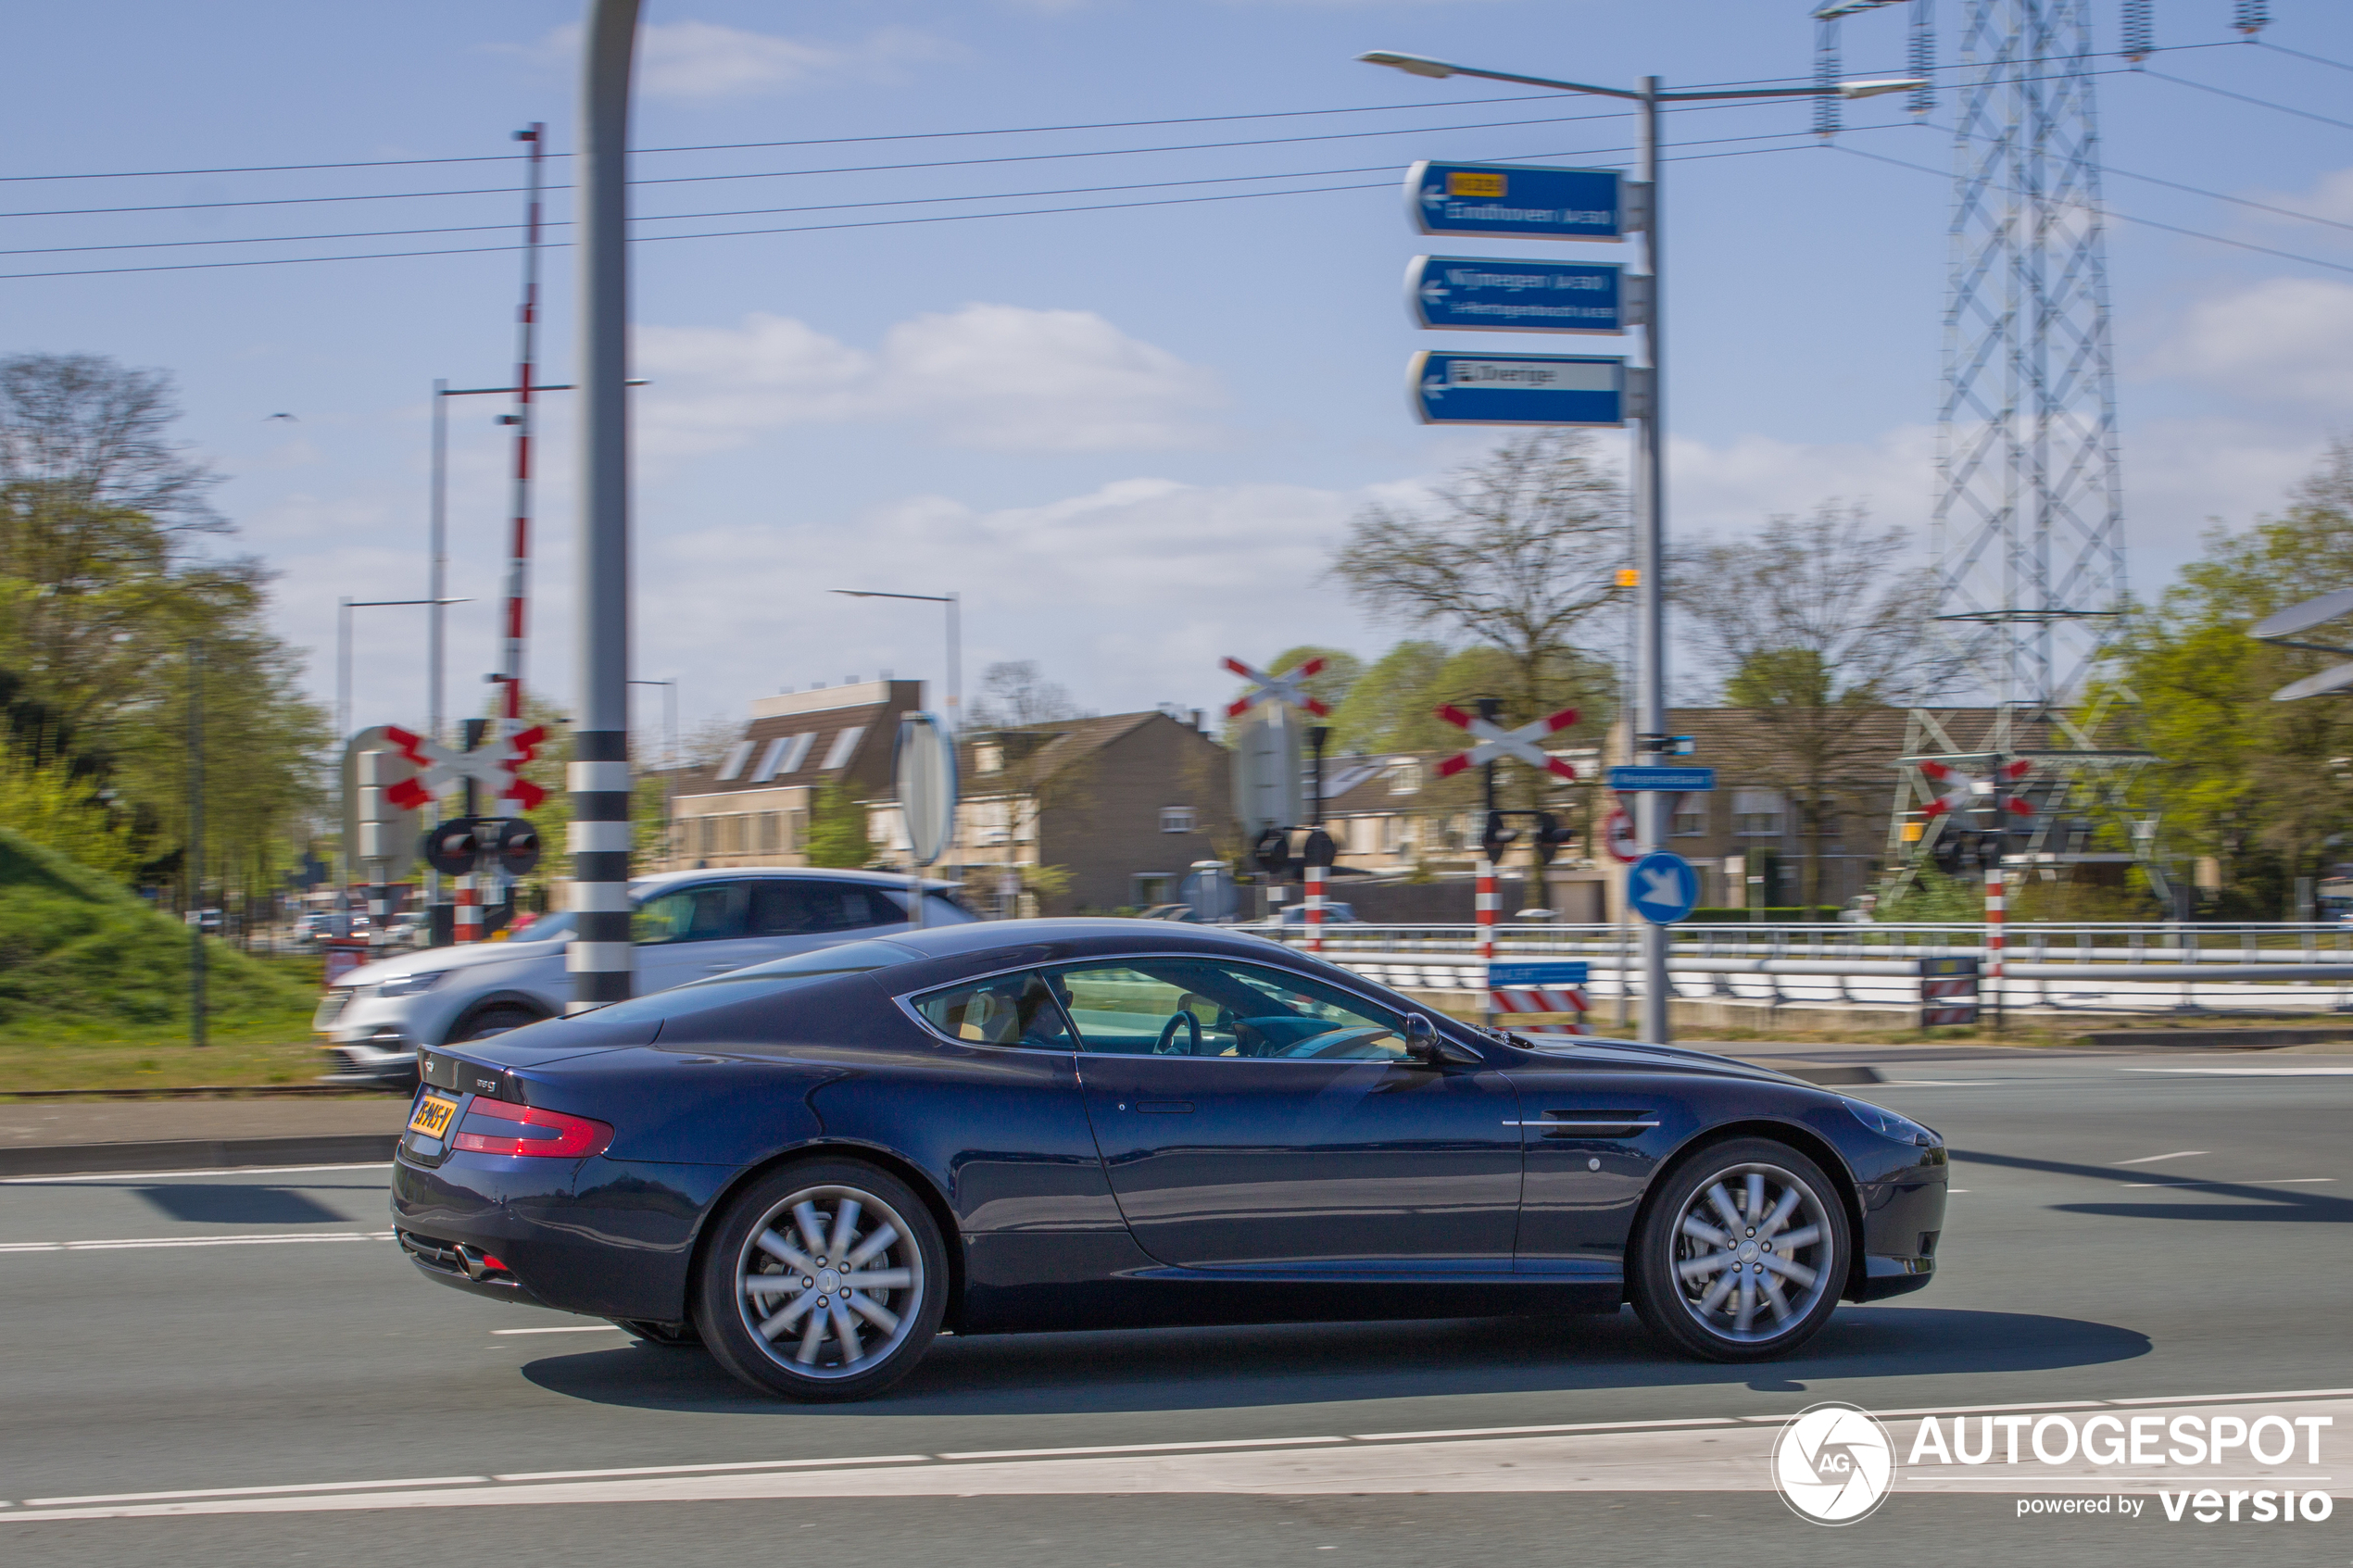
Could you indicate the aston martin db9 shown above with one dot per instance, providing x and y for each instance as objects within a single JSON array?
[{"x": 812, "y": 1166}]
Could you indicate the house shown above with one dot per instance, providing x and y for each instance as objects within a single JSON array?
[
  {"x": 752, "y": 807},
  {"x": 1080, "y": 815}
]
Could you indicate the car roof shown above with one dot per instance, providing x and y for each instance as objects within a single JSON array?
[
  {"x": 828, "y": 873},
  {"x": 1051, "y": 940}
]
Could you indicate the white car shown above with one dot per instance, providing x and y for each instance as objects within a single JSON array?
[{"x": 689, "y": 925}]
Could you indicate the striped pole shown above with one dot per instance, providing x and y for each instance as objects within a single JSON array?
[
  {"x": 467, "y": 927},
  {"x": 599, "y": 955},
  {"x": 1995, "y": 915},
  {"x": 1487, "y": 924},
  {"x": 1314, "y": 908}
]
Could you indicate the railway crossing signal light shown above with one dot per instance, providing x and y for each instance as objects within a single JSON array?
[
  {"x": 1497, "y": 837},
  {"x": 1272, "y": 851},
  {"x": 1550, "y": 836}
]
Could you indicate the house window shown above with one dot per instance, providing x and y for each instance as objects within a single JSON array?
[
  {"x": 706, "y": 835},
  {"x": 772, "y": 833},
  {"x": 1406, "y": 779},
  {"x": 845, "y": 746},
  {"x": 1756, "y": 813},
  {"x": 738, "y": 755},
  {"x": 988, "y": 757},
  {"x": 1690, "y": 822},
  {"x": 1175, "y": 819},
  {"x": 768, "y": 760}
]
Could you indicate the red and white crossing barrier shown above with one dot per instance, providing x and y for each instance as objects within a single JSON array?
[
  {"x": 1529, "y": 998},
  {"x": 1314, "y": 908},
  {"x": 1994, "y": 916},
  {"x": 1486, "y": 916},
  {"x": 1552, "y": 986}
]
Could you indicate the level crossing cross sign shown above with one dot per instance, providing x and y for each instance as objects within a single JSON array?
[
  {"x": 439, "y": 768},
  {"x": 1959, "y": 787},
  {"x": 1286, "y": 687},
  {"x": 1494, "y": 741}
]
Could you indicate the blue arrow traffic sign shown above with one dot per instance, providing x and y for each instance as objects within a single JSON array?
[
  {"x": 1663, "y": 888},
  {"x": 1467, "y": 294},
  {"x": 1519, "y": 389},
  {"x": 1681, "y": 781},
  {"x": 1514, "y": 199}
]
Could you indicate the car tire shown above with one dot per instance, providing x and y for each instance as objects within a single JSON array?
[
  {"x": 838, "y": 1334},
  {"x": 668, "y": 1335},
  {"x": 483, "y": 1023},
  {"x": 1742, "y": 1253}
]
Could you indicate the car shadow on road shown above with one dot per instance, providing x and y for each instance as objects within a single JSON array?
[
  {"x": 230, "y": 1204},
  {"x": 2223, "y": 1201},
  {"x": 1310, "y": 1363}
]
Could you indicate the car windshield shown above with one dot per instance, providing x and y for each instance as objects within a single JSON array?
[{"x": 760, "y": 980}]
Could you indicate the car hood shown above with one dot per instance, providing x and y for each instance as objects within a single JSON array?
[
  {"x": 1673, "y": 1058},
  {"x": 432, "y": 959}
]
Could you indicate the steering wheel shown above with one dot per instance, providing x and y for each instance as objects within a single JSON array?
[
  {"x": 1167, "y": 1045},
  {"x": 1334, "y": 1041}
]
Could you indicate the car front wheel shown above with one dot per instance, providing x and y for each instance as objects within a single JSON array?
[
  {"x": 825, "y": 1280},
  {"x": 1743, "y": 1253}
]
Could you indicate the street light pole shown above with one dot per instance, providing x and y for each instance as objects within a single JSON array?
[
  {"x": 955, "y": 648},
  {"x": 600, "y": 957},
  {"x": 1650, "y": 525}
]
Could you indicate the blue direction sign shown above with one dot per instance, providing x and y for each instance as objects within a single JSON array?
[
  {"x": 1466, "y": 293},
  {"x": 1514, "y": 199},
  {"x": 1518, "y": 389},
  {"x": 1681, "y": 781},
  {"x": 1663, "y": 888},
  {"x": 1556, "y": 973}
]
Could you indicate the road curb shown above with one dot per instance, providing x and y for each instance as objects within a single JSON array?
[
  {"x": 195, "y": 1154},
  {"x": 1849, "y": 1074}
]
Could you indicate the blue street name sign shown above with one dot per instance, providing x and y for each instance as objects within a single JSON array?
[
  {"x": 1555, "y": 974},
  {"x": 1467, "y": 294},
  {"x": 1518, "y": 389},
  {"x": 1683, "y": 780},
  {"x": 1663, "y": 888},
  {"x": 1514, "y": 199}
]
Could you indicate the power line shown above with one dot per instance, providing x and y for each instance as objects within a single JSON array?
[
  {"x": 2242, "y": 97},
  {"x": 2281, "y": 49},
  {"x": 2238, "y": 201}
]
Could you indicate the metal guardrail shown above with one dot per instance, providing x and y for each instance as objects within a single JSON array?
[{"x": 2083, "y": 965}]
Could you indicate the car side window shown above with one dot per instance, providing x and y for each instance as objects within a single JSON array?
[
  {"x": 1201, "y": 1006},
  {"x": 708, "y": 911},
  {"x": 1012, "y": 1010}
]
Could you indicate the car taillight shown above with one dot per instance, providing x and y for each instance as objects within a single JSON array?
[{"x": 494, "y": 1127}]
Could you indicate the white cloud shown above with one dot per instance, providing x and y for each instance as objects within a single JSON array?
[
  {"x": 998, "y": 377},
  {"x": 2281, "y": 340},
  {"x": 1733, "y": 488},
  {"x": 698, "y": 61}
]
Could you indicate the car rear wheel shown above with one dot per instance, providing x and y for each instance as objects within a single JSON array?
[
  {"x": 499, "y": 1020},
  {"x": 1743, "y": 1254},
  {"x": 824, "y": 1281}
]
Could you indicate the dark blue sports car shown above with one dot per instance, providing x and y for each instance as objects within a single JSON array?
[{"x": 813, "y": 1165}]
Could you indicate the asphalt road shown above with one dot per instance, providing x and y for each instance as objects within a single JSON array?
[{"x": 2125, "y": 1229}]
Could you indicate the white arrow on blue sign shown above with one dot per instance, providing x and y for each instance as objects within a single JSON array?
[
  {"x": 1514, "y": 199},
  {"x": 1467, "y": 294},
  {"x": 1663, "y": 888},
  {"x": 1521, "y": 389}
]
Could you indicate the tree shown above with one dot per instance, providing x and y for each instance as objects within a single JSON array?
[
  {"x": 1015, "y": 693},
  {"x": 1819, "y": 626},
  {"x": 838, "y": 829},
  {"x": 1518, "y": 553},
  {"x": 2263, "y": 787}
]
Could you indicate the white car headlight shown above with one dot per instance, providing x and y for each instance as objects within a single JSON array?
[
  {"x": 1885, "y": 1123},
  {"x": 410, "y": 985}
]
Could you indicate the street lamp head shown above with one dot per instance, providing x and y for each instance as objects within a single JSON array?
[
  {"x": 1412, "y": 65},
  {"x": 1873, "y": 87}
]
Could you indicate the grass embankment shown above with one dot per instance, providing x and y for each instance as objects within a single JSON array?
[{"x": 93, "y": 990}]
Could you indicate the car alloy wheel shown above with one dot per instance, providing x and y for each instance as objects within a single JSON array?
[
  {"x": 1744, "y": 1254},
  {"x": 825, "y": 1282}
]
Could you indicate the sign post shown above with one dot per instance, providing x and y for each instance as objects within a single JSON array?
[
  {"x": 1495, "y": 742},
  {"x": 1266, "y": 773},
  {"x": 923, "y": 763}
]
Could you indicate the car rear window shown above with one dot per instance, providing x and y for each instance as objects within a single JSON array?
[{"x": 768, "y": 979}]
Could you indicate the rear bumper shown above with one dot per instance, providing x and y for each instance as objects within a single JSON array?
[{"x": 464, "y": 1268}]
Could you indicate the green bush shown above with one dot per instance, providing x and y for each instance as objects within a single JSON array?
[{"x": 83, "y": 958}]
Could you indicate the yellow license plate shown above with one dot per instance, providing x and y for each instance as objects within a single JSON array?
[{"x": 432, "y": 1116}]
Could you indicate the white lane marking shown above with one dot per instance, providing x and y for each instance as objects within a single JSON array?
[
  {"x": 1688, "y": 1455},
  {"x": 257, "y": 1491},
  {"x": 2246, "y": 1182},
  {"x": 1532, "y": 1431},
  {"x": 138, "y": 1242},
  {"x": 162, "y": 1175},
  {"x": 2251, "y": 1072},
  {"x": 1143, "y": 1448},
  {"x": 2153, "y": 1158},
  {"x": 1949, "y": 1082},
  {"x": 709, "y": 1469},
  {"x": 569, "y": 1328}
]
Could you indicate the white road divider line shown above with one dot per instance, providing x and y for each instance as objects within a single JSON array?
[
  {"x": 132, "y": 1244},
  {"x": 141, "y": 1176},
  {"x": 257, "y": 1491},
  {"x": 2153, "y": 1158},
  {"x": 2252, "y": 1072},
  {"x": 1143, "y": 1448},
  {"x": 2243, "y": 1181},
  {"x": 569, "y": 1328},
  {"x": 751, "y": 1465}
]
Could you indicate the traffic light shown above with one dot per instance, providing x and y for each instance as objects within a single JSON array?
[
  {"x": 1497, "y": 837},
  {"x": 1272, "y": 851},
  {"x": 516, "y": 843},
  {"x": 1316, "y": 847},
  {"x": 455, "y": 846},
  {"x": 1550, "y": 836}
]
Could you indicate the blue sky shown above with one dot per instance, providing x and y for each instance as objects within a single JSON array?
[{"x": 1129, "y": 436}]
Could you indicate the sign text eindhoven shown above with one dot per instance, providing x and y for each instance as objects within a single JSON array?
[
  {"x": 1512, "y": 200},
  {"x": 1469, "y": 294},
  {"x": 1522, "y": 389}
]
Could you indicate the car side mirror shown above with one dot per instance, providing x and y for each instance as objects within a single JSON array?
[{"x": 1426, "y": 1045}]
